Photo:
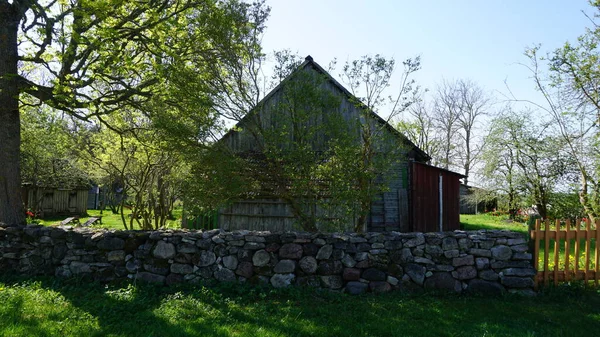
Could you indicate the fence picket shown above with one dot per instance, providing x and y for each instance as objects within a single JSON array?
[
  {"x": 546, "y": 250},
  {"x": 577, "y": 241},
  {"x": 556, "y": 251},
  {"x": 586, "y": 258},
  {"x": 536, "y": 251},
  {"x": 597, "y": 251},
  {"x": 587, "y": 249},
  {"x": 567, "y": 249}
]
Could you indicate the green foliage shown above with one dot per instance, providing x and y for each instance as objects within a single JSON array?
[{"x": 47, "y": 156}]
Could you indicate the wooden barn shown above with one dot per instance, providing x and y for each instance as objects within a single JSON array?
[
  {"x": 47, "y": 201},
  {"x": 419, "y": 197}
]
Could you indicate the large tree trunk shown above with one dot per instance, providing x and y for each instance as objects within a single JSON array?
[{"x": 11, "y": 204}]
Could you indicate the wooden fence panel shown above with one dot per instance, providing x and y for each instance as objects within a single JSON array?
[{"x": 568, "y": 262}]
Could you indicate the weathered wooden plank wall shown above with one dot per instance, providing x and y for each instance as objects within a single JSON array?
[
  {"x": 388, "y": 212},
  {"x": 57, "y": 201}
]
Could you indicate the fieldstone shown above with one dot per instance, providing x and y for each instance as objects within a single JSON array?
[
  {"x": 464, "y": 243},
  {"x": 332, "y": 281},
  {"x": 418, "y": 240},
  {"x": 206, "y": 258},
  {"x": 510, "y": 264},
  {"x": 186, "y": 248},
  {"x": 380, "y": 287},
  {"x": 418, "y": 251},
  {"x": 172, "y": 279},
  {"x": 487, "y": 244},
  {"x": 393, "y": 245},
  {"x": 351, "y": 274},
  {"x": 466, "y": 260},
  {"x": 261, "y": 258},
  {"x": 403, "y": 256},
  {"x": 522, "y": 256},
  {"x": 272, "y": 247},
  {"x": 416, "y": 272},
  {"x": 180, "y": 268},
  {"x": 290, "y": 251},
  {"x": 329, "y": 268},
  {"x": 434, "y": 251},
  {"x": 361, "y": 256},
  {"x": 116, "y": 255},
  {"x": 348, "y": 261},
  {"x": 77, "y": 267},
  {"x": 160, "y": 267},
  {"x": 442, "y": 267},
  {"x": 501, "y": 252},
  {"x": 308, "y": 264},
  {"x": 216, "y": 239},
  {"x": 519, "y": 241},
  {"x": 521, "y": 272},
  {"x": 485, "y": 288},
  {"x": 363, "y": 247},
  {"x": 164, "y": 250},
  {"x": 254, "y": 245},
  {"x": 254, "y": 238},
  {"x": 520, "y": 248},
  {"x": 149, "y": 277},
  {"x": 423, "y": 260},
  {"x": 325, "y": 252},
  {"x": 309, "y": 281},
  {"x": 443, "y": 281},
  {"x": 224, "y": 275},
  {"x": 111, "y": 243},
  {"x": 319, "y": 242},
  {"x": 356, "y": 288},
  {"x": 392, "y": 280},
  {"x": 205, "y": 244},
  {"x": 285, "y": 266},
  {"x": 45, "y": 240},
  {"x": 482, "y": 263},
  {"x": 245, "y": 269},
  {"x": 363, "y": 264},
  {"x": 133, "y": 266},
  {"x": 480, "y": 252},
  {"x": 63, "y": 272},
  {"x": 282, "y": 280},
  {"x": 205, "y": 272},
  {"x": 466, "y": 272},
  {"x": 451, "y": 253},
  {"x": 230, "y": 262},
  {"x": 372, "y": 274},
  {"x": 310, "y": 249},
  {"x": 488, "y": 275},
  {"x": 449, "y": 243}
]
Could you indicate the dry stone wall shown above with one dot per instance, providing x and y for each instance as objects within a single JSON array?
[{"x": 479, "y": 261}]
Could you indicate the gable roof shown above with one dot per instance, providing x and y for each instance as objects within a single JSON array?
[{"x": 309, "y": 61}]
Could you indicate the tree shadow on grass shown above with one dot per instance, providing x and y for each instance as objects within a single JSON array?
[{"x": 145, "y": 310}]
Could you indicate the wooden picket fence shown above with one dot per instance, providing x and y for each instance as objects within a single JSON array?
[{"x": 570, "y": 251}]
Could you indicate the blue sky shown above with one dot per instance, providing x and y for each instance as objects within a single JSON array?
[{"x": 479, "y": 40}]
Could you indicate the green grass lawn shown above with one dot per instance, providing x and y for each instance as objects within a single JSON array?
[
  {"x": 487, "y": 221},
  {"x": 46, "y": 307},
  {"x": 112, "y": 221}
]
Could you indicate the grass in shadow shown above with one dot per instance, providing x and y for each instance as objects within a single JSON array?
[{"x": 45, "y": 307}]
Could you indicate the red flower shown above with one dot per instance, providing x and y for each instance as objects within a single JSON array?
[{"x": 29, "y": 214}]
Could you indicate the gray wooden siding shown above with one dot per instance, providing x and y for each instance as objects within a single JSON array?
[
  {"x": 389, "y": 211},
  {"x": 47, "y": 202}
]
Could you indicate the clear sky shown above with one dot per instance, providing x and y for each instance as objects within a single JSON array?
[{"x": 479, "y": 40}]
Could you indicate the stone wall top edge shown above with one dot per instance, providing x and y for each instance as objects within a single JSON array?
[{"x": 209, "y": 233}]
